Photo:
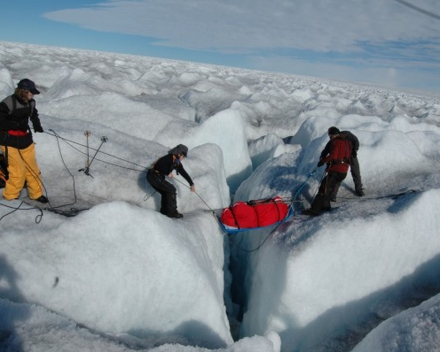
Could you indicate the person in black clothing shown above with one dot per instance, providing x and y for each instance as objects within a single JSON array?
[
  {"x": 164, "y": 166},
  {"x": 17, "y": 144},
  {"x": 354, "y": 165}
]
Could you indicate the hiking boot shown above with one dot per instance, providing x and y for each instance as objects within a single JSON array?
[
  {"x": 359, "y": 192},
  {"x": 332, "y": 198},
  {"x": 176, "y": 215},
  {"x": 309, "y": 212},
  {"x": 42, "y": 199}
]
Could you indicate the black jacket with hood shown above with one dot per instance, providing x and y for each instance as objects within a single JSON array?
[{"x": 14, "y": 122}]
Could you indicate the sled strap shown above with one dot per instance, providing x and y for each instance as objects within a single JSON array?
[
  {"x": 278, "y": 208},
  {"x": 256, "y": 214},
  {"x": 235, "y": 219}
]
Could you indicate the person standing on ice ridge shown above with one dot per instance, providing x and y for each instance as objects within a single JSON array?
[
  {"x": 17, "y": 144},
  {"x": 164, "y": 166},
  {"x": 338, "y": 162},
  {"x": 354, "y": 165}
]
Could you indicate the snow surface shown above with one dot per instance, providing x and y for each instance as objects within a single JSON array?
[{"x": 103, "y": 270}]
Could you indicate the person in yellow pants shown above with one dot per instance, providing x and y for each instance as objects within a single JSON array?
[{"x": 17, "y": 144}]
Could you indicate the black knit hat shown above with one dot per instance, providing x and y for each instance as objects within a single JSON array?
[
  {"x": 179, "y": 149},
  {"x": 333, "y": 130}
]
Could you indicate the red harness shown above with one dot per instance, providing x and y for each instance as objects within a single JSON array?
[{"x": 17, "y": 133}]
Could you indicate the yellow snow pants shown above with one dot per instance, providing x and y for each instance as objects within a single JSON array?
[{"x": 22, "y": 167}]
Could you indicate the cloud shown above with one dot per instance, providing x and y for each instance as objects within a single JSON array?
[
  {"x": 381, "y": 42},
  {"x": 318, "y": 25},
  {"x": 384, "y": 74}
]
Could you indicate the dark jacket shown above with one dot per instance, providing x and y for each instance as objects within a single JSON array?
[
  {"x": 166, "y": 164},
  {"x": 337, "y": 156},
  {"x": 14, "y": 122}
]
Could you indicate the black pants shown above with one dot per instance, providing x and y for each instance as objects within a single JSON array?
[
  {"x": 168, "y": 205},
  {"x": 356, "y": 174},
  {"x": 355, "y": 171},
  {"x": 322, "y": 199}
]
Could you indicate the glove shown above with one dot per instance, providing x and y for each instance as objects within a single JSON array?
[
  {"x": 38, "y": 127},
  {"x": 320, "y": 163},
  {"x": 37, "y": 124}
]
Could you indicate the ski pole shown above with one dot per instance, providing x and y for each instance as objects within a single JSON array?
[
  {"x": 87, "y": 169},
  {"x": 87, "y": 134}
]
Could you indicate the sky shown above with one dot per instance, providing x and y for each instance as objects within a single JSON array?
[
  {"x": 391, "y": 43},
  {"x": 100, "y": 269}
]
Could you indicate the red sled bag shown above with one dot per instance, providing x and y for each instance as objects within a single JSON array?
[
  {"x": 240, "y": 215},
  {"x": 255, "y": 213},
  {"x": 271, "y": 211}
]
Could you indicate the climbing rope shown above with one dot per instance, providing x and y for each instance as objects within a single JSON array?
[
  {"x": 70, "y": 143},
  {"x": 56, "y": 209}
]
